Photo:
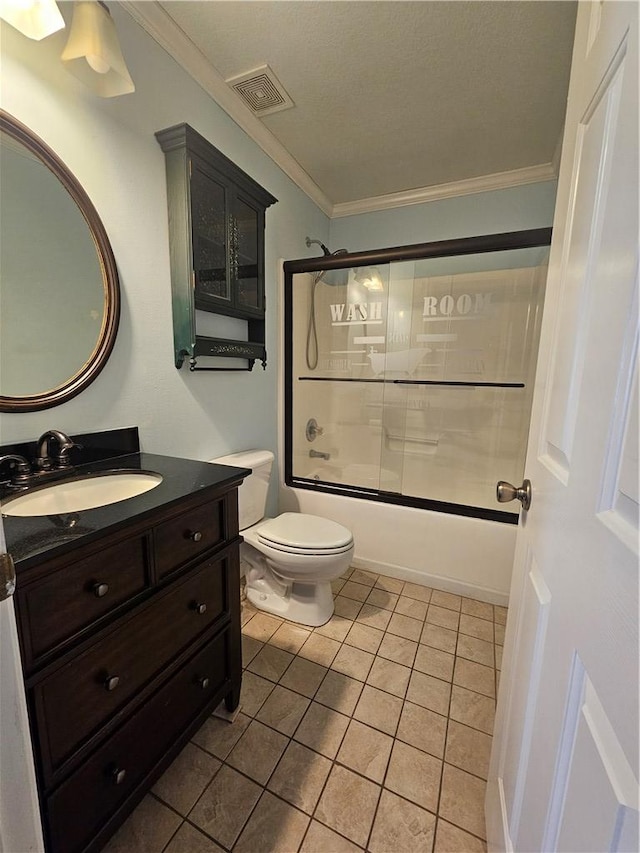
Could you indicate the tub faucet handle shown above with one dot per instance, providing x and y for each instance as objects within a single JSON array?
[{"x": 312, "y": 430}]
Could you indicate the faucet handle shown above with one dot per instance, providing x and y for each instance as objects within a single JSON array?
[
  {"x": 312, "y": 430},
  {"x": 21, "y": 470},
  {"x": 65, "y": 450}
]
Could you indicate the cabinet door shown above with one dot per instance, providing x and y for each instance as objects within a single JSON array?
[
  {"x": 210, "y": 207},
  {"x": 77, "y": 810},
  {"x": 248, "y": 260}
]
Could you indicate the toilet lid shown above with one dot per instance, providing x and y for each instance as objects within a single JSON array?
[{"x": 299, "y": 532}]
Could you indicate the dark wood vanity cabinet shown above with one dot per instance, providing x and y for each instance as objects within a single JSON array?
[
  {"x": 128, "y": 644},
  {"x": 216, "y": 243}
]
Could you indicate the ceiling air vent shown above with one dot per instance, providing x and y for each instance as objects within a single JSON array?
[{"x": 261, "y": 90}]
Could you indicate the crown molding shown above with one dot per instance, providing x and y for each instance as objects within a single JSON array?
[
  {"x": 163, "y": 29},
  {"x": 484, "y": 183}
]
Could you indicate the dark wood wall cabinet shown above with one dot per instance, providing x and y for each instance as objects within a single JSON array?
[
  {"x": 128, "y": 644},
  {"x": 216, "y": 240}
]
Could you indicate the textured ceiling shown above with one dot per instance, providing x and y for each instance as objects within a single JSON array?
[{"x": 394, "y": 96}]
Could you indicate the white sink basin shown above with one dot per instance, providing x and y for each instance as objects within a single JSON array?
[{"x": 86, "y": 493}]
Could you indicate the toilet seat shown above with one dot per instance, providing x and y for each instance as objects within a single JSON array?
[
  {"x": 304, "y": 552},
  {"x": 297, "y": 533}
]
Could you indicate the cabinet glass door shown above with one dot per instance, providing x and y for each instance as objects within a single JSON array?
[
  {"x": 247, "y": 229},
  {"x": 210, "y": 238}
]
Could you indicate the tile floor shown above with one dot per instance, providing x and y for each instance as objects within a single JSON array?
[{"x": 371, "y": 733}]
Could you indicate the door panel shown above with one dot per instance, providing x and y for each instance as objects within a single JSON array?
[
  {"x": 592, "y": 165},
  {"x": 565, "y": 761},
  {"x": 600, "y": 787},
  {"x": 532, "y": 629},
  {"x": 619, "y": 500}
]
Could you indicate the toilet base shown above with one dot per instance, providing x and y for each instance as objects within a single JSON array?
[{"x": 307, "y": 604}]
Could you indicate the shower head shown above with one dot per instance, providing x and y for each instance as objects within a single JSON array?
[{"x": 334, "y": 278}]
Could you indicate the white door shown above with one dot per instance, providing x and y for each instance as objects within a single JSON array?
[
  {"x": 564, "y": 767},
  {"x": 20, "y": 830}
]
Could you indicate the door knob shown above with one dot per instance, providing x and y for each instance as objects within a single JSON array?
[{"x": 505, "y": 492}]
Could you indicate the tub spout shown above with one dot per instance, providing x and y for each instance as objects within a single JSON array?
[{"x": 318, "y": 454}]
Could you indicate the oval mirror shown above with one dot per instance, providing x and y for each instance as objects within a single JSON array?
[{"x": 59, "y": 289}]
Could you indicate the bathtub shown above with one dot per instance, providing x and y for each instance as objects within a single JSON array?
[
  {"x": 468, "y": 556},
  {"x": 459, "y": 554}
]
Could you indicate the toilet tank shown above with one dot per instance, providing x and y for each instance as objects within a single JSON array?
[{"x": 252, "y": 494}]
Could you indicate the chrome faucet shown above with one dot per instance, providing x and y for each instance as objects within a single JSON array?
[
  {"x": 44, "y": 462},
  {"x": 318, "y": 454}
]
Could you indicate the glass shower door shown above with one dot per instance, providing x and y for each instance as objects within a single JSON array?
[
  {"x": 412, "y": 380},
  {"x": 338, "y": 333},
  {"x": 468, "y": 402}
]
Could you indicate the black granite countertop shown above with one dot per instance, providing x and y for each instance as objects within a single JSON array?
[{"x": 29, "y": 540}]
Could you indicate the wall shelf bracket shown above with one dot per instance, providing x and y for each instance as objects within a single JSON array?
[{"x": 252, "y": 351}]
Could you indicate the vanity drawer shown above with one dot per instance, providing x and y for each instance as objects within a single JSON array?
[
  {"x": 184, "y": 537},
  {"x": 75, "y": 701},
  {"x": 59, "y": 605},
  {"x": 82, "y": 805}
]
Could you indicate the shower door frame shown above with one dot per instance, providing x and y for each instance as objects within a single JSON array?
[{"x": 528, "y": 239}]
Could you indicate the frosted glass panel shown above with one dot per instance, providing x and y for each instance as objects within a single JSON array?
[{"x": 419, "y": 374}]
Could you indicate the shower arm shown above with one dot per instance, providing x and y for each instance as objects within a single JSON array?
[{"x": 310, "y": 242}]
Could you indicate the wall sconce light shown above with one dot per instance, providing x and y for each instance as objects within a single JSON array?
[
  {"x": 369, "y": 277},
  {"x": 35, "y": 19},
  {"x": 93, "y": 53}
]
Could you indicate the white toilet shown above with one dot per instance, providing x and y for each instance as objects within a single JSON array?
[{"x": 288, "y": 561}]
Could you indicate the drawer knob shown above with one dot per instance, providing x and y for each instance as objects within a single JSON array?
[
  {"x": 203, "y": 682},
  {"x": 111, "y": 682},
  {"x": 199, "y": 607},
  {"x": 100, "y": 589},
  {"x": 118, "y": 775},
  {"x": 194, "y": 535}
]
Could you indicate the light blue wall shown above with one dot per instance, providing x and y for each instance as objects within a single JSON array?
[
  {"x": 109, "y": 145},
  {"x": 513, "y": 209}
]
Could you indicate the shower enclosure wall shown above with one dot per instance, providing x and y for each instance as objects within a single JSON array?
[{"x": 409, "y": 378}]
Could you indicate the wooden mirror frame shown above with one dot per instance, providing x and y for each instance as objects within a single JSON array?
[{"x": 98, "y": 358}]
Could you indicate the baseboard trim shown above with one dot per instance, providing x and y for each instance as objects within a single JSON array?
[{"x": 481, "y": 593}]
